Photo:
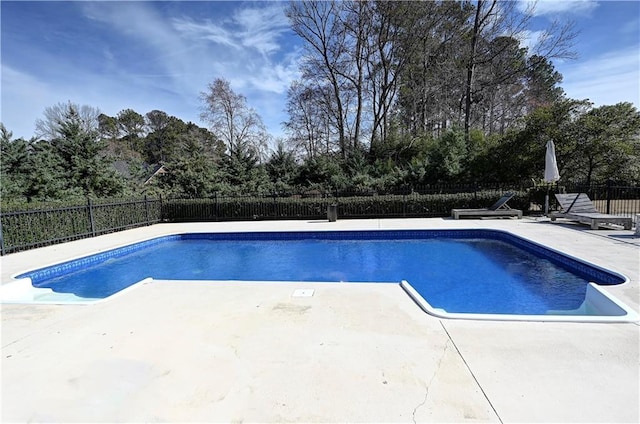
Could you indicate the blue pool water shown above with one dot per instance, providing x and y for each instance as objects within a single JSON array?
[{"x": 470, "y": 271}]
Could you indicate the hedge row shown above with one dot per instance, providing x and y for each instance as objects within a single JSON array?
[
  {"x": 41, "y": 227},
  {"x": 46, "y": 226},
  {"x": 374, "y": 206}
]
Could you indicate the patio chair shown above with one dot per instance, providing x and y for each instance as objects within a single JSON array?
[
  {"x": 578, "y": 207},
  {"x": 497, "y": 210}
]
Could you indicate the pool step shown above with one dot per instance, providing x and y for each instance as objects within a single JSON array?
[{"x": 21, "y": 291}]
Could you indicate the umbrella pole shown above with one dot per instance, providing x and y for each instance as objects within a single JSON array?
[
  {"x": 546, "y": 203},
  {"x": 546, "y": 200}
]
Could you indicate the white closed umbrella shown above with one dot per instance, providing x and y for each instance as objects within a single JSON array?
[{"x": 551, "y": 173}]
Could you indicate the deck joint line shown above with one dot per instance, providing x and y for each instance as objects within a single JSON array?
[{"x": 471, "y": 372}]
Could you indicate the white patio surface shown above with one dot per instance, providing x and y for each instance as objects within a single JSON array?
[{"x": 250, "y": 352}]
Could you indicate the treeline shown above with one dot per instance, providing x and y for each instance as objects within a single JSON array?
[
  {"x": 592, "y": 145},
  {"x": 393, "y": 95},
  {"x": 376, "y": 71}
]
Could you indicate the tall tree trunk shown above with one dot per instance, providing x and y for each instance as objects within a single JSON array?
[{"x": 470, "y": 70}]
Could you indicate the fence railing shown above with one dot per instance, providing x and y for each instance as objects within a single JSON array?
[
  {"x": 26, "y": 229},
  {"x": 42, "y": 226},
  {"x": 610, "y": 198}
]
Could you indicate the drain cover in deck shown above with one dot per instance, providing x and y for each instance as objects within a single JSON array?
[{"x": 302, "y": 293}]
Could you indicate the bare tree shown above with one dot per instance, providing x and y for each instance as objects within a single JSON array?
[
  {"x": 319, "y": 24},
  {"x": 384, "y": 63},
  {"x": 356, "y": 24},
  {"x": 429, "y": 65},
  {"x": 430, "y": 82},
  {"x": 498, "y": 19},
  {"x": 50, "y": 127},
  {"x": 308, "y": 125},
  {"x": 229, "y": 117}
]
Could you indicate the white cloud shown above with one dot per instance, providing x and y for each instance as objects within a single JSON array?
[
  {"x": 23, "y": 101},
  {"x": 261, "y": 28},
  {"x": 25, "y": 97},
  {"x": 139, "y": 21},
  {"x": 276, "y": 77},
  {"x": 150, "y": 61},
  {"x": 553, "y": 7},
  {"x": 530, "y": 39},
  {"x": 631, "y": 27},
  {"x": 255, "y": 28},
  {"x": 606, "y": 79},
  {"x": 204, "y": 31},
  {"x": 231, "y": 45}
]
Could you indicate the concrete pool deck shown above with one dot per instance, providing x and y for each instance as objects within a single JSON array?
[{"x": 252, "y": 352}]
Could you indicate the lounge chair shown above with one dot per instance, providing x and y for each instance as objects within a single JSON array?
[
  {"x": 498, "y": 209},
  {"x": 578, "y": 207}
]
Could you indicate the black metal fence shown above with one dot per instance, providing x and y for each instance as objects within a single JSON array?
[
  {"x": 42, "y": 226},
  {"x": 610, "y": 198},
  {"x": 427, "y": 202}
]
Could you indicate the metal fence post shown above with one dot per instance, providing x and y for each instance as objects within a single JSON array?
[
  {"x": 1, "y": 239},
  {"x": 29, "y": 228},
  {"x": 146, "y": 209},
  {"x": 404, "y": 202},
  {"x": 216, "y": 206},
  {"x": 475, "y": 192},
  {"x": 91, "y": 220},
  {"x": 608, "y": 196},
  {"x": 275, "y": 206}
]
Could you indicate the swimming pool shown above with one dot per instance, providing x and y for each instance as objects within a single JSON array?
[{"x": 452, "y": 273}]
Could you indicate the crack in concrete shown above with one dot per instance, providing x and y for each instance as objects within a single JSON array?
[{"x": 428, "y": 385}]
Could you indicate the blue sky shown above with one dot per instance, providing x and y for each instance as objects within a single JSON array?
[{"x": 161, "y": 55}]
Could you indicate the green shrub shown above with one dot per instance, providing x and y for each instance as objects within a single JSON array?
[{"x": 48, "y": 225}]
